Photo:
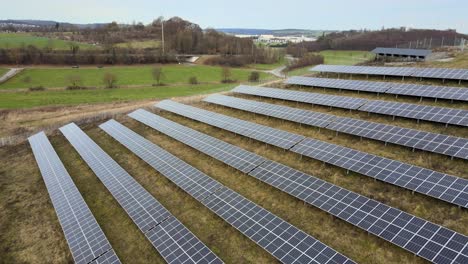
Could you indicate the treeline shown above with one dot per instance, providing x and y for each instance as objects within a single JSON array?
[
  {"x": 74, "y": 56},
  {"x": 180, "y": 37},
  {"x": 368, "y": 40}
]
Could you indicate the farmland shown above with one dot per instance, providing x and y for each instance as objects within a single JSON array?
[
  {"x": 16, "y": 40},
  {"x": 126, "y": 76}
]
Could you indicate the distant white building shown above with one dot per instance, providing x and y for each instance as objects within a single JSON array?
[{"x": 272, "y": 39}]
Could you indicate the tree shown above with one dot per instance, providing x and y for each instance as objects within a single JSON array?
[
  {"x": 226, "y": 75},
  {"x": 254, "y": 76},
  {"x": 110, "y": 80},
  {"x": 193, "y": 80},
  {"x": 158, "y": 75},
  {"x": 75, "y": 80}
]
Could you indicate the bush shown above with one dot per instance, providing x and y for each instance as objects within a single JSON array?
[
  {"x": 231, "y": 61},
  {"x": 254, "y": 76},
  {"x": 193, "y": 80},
  {"x": 75, "y": 82},
  {"x": 37, "y": 88},
  {"x": 76, "y": 87},
  {"x": 110, "y": 80}
]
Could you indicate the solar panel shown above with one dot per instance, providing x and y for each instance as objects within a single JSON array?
[
  {"x": 438, "y": 73},
  {"x": 281, "y": 139},
  {"x": 407, "y": 231},
  {"x": 345, "y": 102},
  {"x": 441, "y": 186},
  {"x": 365, "y": 86},
  {"x": 284, "y": 241},
  {"x": 178, "y": 245},
  {"x": 420, "y": 112},
  {"x": 437, "y": 143},
  {"x": 283, "y": 112},
  {"x": 432, "y": 142},
  {"x": 84, "y": 236},
  {"x": 417, "y": 90}
]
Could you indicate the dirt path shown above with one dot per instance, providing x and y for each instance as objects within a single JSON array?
[{"x": 9, "y": 74}]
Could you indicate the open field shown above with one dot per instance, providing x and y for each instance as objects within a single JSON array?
[
  {"x": 3, "y": 71},
  {"x": 140, "y": 44},
  {"x": 126, "y": 76},
  {"x": 14, "y": 100},
  {"x": 16, "y": 40},
  {"x": 345, "y": 57}
]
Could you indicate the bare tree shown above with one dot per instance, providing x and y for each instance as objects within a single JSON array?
[
  {"x": 226, "y": 75},
  {"x": 110, "y": 80},
  {"x": 158, "y": 75},
  {"x": 75, "y": 80}
]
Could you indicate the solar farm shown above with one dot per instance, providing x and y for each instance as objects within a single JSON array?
[{"x": 316, "y": 169}]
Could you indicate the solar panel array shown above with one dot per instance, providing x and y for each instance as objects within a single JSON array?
[
  {"x": 172, "y": 239},
  {"x": 436, "y": 73},
  {"x": 84, "y": 236},
  {"x": 417, "y": 90},
  {"x": 304, "y": 97},
  {"x": 419, "y": 236},
  {"x": 419, "y": 112},
  {"x": 281, "y": 139},
  {"x": 284, "y": 241},
  {"x": 438, "y": 185},
  {"x": 283, "y": 112},
  {"x": 432, "y": 142}
]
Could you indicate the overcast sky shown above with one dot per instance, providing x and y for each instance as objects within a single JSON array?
[{"x": 267, "y": 14}]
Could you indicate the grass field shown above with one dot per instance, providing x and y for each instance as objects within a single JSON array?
[
  {"x": 14, "y": 100},
  {"x": 3, "y": 71},
  {"x": 140, "y": 44},
  {"x": 16, "y": 40},
  {"x": 127, "y": 76},
  {"x": 345, "y": 57}
]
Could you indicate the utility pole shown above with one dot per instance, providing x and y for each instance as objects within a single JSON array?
[{"x": 162, "y": 35}]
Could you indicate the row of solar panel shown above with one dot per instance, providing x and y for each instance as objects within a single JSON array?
[
  {"x": 416, "y": 139},
  {"x": 86, "y": 240},
  {"x": 425, "y": 239},
  {"x": 438, "y": 185},
  {"x": 436, "y": 73},
  {"x": 284, "y": 241},
  {"x": 418, "y": 90},
  {"x": 172, "y": 240},
  {"x": 419, "y": 112}
]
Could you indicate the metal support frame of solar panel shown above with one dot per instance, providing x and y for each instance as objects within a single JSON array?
[
  {"x": 172, "y": 239},
  {"x": 281, "y": 139},
  {"x": 438, "y": 185},
  {"x": 372, "y": 216},
  {"x": 284, "y": 241},
  {"x": 416, "y": 90},
  {"x": 416, "y": 139},
  {"x": 443, "y": 115},
  {"x": 435, "y": 73},
  {"x": 419, "y": 112},
  {"x": 345, "y": 102},
  {"x": 402, "y": 52},
  {"x": 84, "y": 236},
  {"x": 278, "y": 111}
]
